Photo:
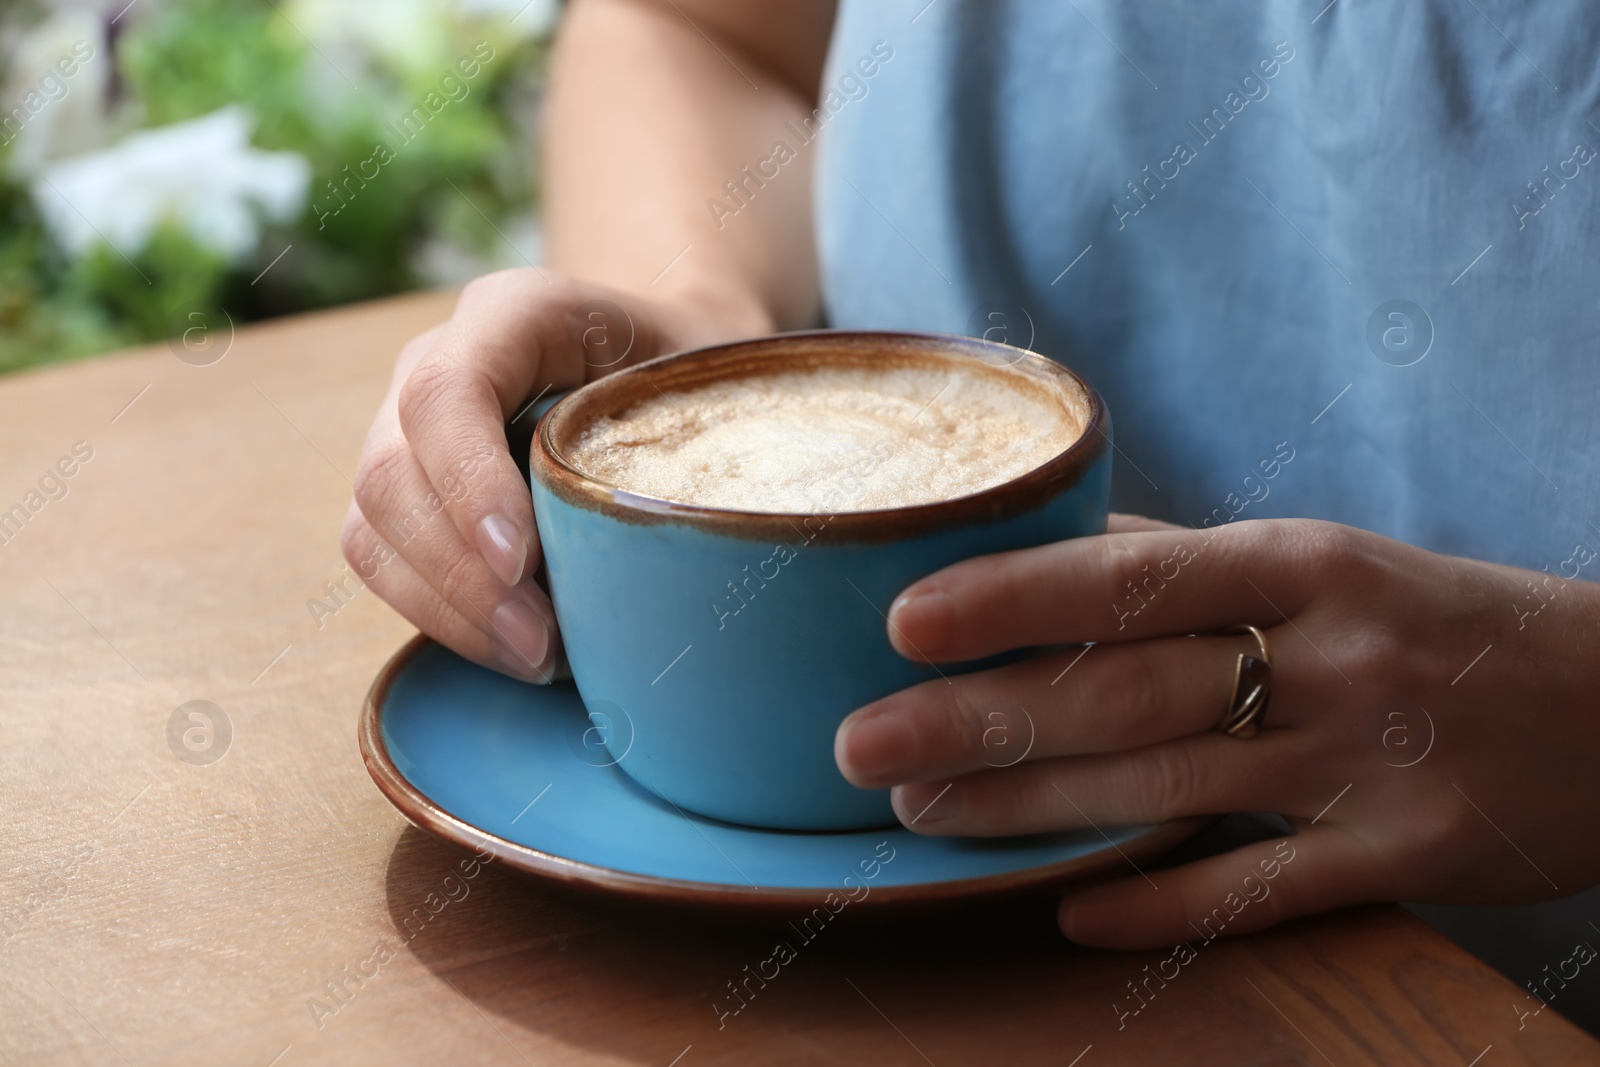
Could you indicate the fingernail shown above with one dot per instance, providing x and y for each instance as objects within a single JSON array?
[
  {"x": 924, "y": 621},
  {"x": 504, "y": 547},
  {"x": 871, "y": 748},
  {"x": 924, "y": 803},
  {"x": 523, "y": 638}
]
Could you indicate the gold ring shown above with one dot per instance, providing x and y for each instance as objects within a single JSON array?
[{"x": 1252, "y": 688}]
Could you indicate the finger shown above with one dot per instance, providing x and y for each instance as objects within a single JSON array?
[
  {"x": 1118, "y": 522},
  {"x": 1239, "y": 892},
  {"x": 1114, "y": 587},
  {"x": 510, "y": 332},
  {"x": 453, "y": 406},
  {"x": 397, "y": 501},
  {"x": 1208, "y": 774},
  {"x": 1099, "y": 699},
  {"x": 389, "y": 575}
]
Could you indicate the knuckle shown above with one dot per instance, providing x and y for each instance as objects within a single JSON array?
[
  {"x": 458, "y": 575},
  {"x": 1136, "y": 679},
  {"x": 1166, "y": 782},
  {"x": 962, "y": 724},
  {"x": 1250, "y": 540},
  {"x": 428, "y": 386},
  {"x": 443, "y": 622},
  {"x": 497, "y": 286},
  {"x": 1007, "y": 810},
  {"x": 1373, "y": 651},
  {"x": 1329, "y": 549},
  {"x": 1119, "y": 565},
  {"x": 1345, "y": 562},
  {"x": 425, "y": 609},
  {"x": 378, "y": 474},
  {"x": 490, "y": 285}
]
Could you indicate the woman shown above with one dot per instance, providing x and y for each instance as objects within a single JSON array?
[{"x": 1328, "y": 268}]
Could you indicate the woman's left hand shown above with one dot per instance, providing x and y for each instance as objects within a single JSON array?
[{"x": 1433, "y": 731}]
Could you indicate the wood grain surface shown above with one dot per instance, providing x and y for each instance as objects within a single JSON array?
[{"x": 270, "y": 908}]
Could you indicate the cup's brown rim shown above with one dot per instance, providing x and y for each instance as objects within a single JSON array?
[
  {"x": 428, "y": 816},
  {"x": 1023, "y": 493}
]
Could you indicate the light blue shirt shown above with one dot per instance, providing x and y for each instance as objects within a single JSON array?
[
  {"x": 1214, "y": 212},
  {"x": 1362, "y": 234}
]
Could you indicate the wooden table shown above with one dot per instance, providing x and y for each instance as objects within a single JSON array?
[{"x": 158, "y": 910}]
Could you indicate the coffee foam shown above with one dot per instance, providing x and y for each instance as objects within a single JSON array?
[{"x": 836, "y": 438}]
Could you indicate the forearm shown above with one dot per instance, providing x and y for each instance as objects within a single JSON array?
[{"x": 647, "y": 120}]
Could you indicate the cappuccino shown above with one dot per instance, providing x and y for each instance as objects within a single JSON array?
[{"x": 844, "y": 437}]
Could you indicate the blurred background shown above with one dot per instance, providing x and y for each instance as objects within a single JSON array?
[{"x": 267, "y": 156}]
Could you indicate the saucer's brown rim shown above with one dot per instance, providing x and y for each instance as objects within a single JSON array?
[
  {"x": 428, "y": 816},
  {"x": 1023, "y": 493}
]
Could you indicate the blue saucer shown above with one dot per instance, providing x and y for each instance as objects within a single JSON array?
[{"x": 519, "y": 770}]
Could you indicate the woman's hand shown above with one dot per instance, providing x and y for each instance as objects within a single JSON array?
[
  {"x": 1433, "y": 733},
  {"x": 442, "y": 522}
]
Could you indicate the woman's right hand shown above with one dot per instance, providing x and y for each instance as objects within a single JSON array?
[{"x": 442, "y": 523}]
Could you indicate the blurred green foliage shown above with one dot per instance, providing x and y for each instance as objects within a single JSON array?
[{"x": 463, "y": 176}]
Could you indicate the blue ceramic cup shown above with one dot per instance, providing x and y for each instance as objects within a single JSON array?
[{"x": 716, "y": 650}]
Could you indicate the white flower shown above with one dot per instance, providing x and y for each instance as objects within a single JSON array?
[{"x": 201, "y": 175}]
